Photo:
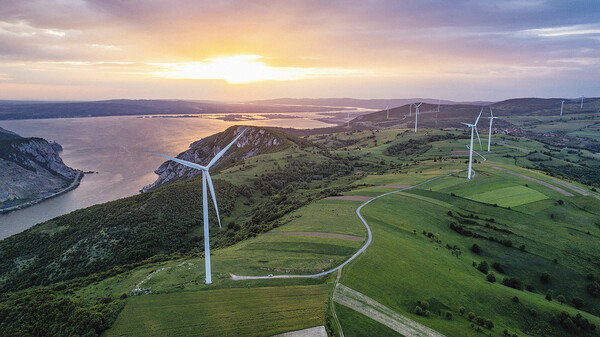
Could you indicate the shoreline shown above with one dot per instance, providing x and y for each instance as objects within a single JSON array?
[{"x": 71, "y": 187}]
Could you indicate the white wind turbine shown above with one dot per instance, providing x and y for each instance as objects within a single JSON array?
[
  {"x": 410, "y": 109},
  {"x": 562, "y": 104},
  {"x": 206, "y": 178},
  {"x": 417, "y": 114},
  {"x": 490, "y": 135},
  {"x": 473, "y": 130},
  {"x": 387, "y": 116},
  {"x": 581, "y": 107},
  {"x": 348, "y": 119}
]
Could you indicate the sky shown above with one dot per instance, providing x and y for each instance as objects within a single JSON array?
[{"x": 242, "y": 49}]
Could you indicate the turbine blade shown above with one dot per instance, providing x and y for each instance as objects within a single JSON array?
[
  {"x": 477, "y": 132},
  {"x": 467, "y": 124},
  {"x": 222, "y": 152},
  {"x": 214, "y": 196},
  {"x": 491, "y": 113},
  {"x": 480, "y": 112},
  {"x": 182, "y": 162}
]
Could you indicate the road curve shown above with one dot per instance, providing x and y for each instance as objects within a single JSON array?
[{"x": 360, "y": 251}]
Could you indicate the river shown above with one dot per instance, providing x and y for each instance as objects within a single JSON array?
[{"x": 115, "y": 147}]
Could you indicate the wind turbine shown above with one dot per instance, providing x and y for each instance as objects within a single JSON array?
[
  {"x": 438, "y": 109},
  {"x": 410, "y": 109},
  {"x": 562, "y": 104},
  {"x": 387, "y": 116},
  {"x": 417, "y": 114},
  {"x": 206, "y": 178},
  {"x": 348, "y": 119},
  {"x": 490, "y": 135},
  {"x": 581, "y": 107},
  {"x": 473, "y": 130}
]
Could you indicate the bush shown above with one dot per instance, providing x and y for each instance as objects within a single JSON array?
[
  {"x": 471, "y": 315},
  {"x": 530, "y": 288},
  {"x": 491, "y": 278},
  {"x": 515, "y": 299},
  {"x": 498, "y": 267},
  {"x": 483, "y": 267},
  {"x": 545, "y": 278},
  {"x": 513, "y": 282},
  {"x": 475, "y": 248},
  {"x": 424, "y": 305},
  {"x": 462, "y": 310},
  {"x": 548, "y": 296},
  {"x": 561, "y": 299},
  {"x": 577, "y": 302},
  {"x": 489, "y": 324},
  {"x": 533, "y": 313},
  {"x": 448, "y": 315}
]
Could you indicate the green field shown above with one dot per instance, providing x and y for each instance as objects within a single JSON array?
[
  {"x": 509, "y": 196},
  {"x": 224, "y": 312}
]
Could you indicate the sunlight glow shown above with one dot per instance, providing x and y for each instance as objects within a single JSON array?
[{"x": 241, "y": 69}]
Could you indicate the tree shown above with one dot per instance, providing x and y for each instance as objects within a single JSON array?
[
  {"x": 475, "y": 248},
  {"x": 491, "y": 278},
  {"x": 561, "y": 299},
  {"x": 513, "y": 282},
  {"x": 483, "y": 267},
  {"x": 545, "y": 278},
  {"x": 577, "y": 302},
  {"x": 548, "y": 296},
  {"x": 462, "y": 310},
  {"x": 448, "y": 315}
]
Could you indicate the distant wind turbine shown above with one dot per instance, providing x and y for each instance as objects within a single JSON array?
[
  {"x": 490, "y": 135},
  {"x": 206, "y": 178},
  {"x": 473, "y": 130},
  {"x": 387, "y": 116},
  {"x": 410, "y": 109},
  {"x": 417, "y": 114},
  {"x": 348, "y": 119},
  {"x": 562, "y": 104},
  {"x": 581, "y": 107},
  {"x": 438, "y": 109}
]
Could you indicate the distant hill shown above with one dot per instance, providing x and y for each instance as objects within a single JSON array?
[
  {"x": 361, "y": 103},
  {"x": 10, "y": 110}
]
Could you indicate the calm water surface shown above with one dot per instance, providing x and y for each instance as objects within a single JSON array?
[{"x": 115, "y": 147}]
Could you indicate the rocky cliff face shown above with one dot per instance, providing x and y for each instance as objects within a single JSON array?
[
  {"x": 30, "y": 168},
  {"x": 256, "y": 140}
]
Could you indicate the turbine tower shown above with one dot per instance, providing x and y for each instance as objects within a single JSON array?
[
  {"x": 490, "y": 135},
  {"x": 410, "y": 109},
  {"x": 206, "y": 178},
  {"x": 417, "y": 114},
  {"x": 348, "y": 119},
  {"x": 438, "y": 109},
  {"x": 562, "y": 104},
  {"x": 581, "y": 107},
  {"x": 387, "y": 115},
  {"x": 473, "y": 130}
]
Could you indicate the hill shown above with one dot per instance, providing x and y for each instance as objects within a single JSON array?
[{"x": 30, "y": 170}]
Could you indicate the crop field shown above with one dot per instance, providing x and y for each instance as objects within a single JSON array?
[{"x": 224, "y": 312}]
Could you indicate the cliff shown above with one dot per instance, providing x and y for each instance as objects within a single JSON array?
[
  {"x": 255, "y": 141},
  {"x": 30, "y": 169}
]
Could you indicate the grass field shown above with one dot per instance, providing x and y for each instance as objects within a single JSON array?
[
  {"x": 224, "y": 312},
  {"x": 509, "y": 196}
]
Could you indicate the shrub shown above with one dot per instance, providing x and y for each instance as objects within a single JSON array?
[
  {"x": 513, "y": 282},
  {"x": 483, "y": 267},
  {"x": 489, "y": 324},
  {"x": 593, "y": 289},
  {"x": 515, "y": 299},
  {"x": 545, "y": 278},
  {"x": 530, "y": 288},
  {"x": 491, "y": 278},
  {"x": 577, "y": 302},
  {"x": 498, "y": 267},
  {"x": 522, "y": 248},
  {"x": 548, "y": 296},
  {"x": 462, "y": 310},
  {"x": 533, "y": 313},
  {"x": 475, "y": 249},
  {"x": 561, "y": 299},
  {"x": 419, "y": 311},
  {"x": 424, "y": 304},
  {"x": 448, "y": 315},
  {"x": 560, "y": 202},
  {"x": 471, "y": 315}
]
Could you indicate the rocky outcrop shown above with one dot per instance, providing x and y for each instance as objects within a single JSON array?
[
  {"x": 30, "y": 169},
  {"x": 256, "y": 140}
]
